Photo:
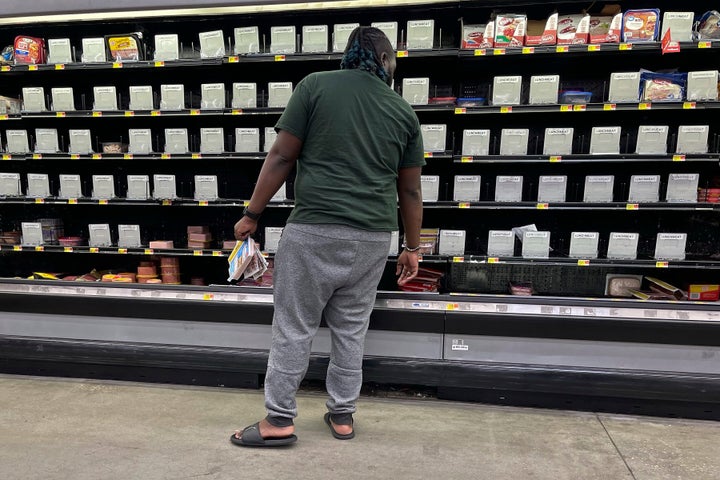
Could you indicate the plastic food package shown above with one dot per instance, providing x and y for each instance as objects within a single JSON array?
[
  {"x": 606, "y": 29},
  {"x": 641, "y": 25},
  {"x": 663, "y": 87},
  {"x": 573, "y": 29},
  {"x": 510, "y": 30},
  {"x": 572, "y": 96},
  {"x": 29, "y": 50},
  {"x": 125, "y": 47},
  {"x": 478, "y": 36},
  {"x": 709, "y": 25},
  {"x": 114, "y": 147}
]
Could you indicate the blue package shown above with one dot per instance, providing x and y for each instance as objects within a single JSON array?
[
  {"x": 662, "y": 87},
  {"x": 641, "y": 25}
]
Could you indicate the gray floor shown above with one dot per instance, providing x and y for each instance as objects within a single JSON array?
[{"x": 73, "y": 429}]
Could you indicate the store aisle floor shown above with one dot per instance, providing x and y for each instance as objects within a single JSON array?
[{"x": 75, "y": 429}]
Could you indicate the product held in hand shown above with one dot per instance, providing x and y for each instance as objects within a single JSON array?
[{"x": 246, "y": 261}]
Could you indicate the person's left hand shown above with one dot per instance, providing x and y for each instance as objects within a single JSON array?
[{"x": 245, "y": 227}]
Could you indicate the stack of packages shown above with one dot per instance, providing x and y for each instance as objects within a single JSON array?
[
  {"x": 199, "y": 238},
  {"x": 427, "y": 280},
  {"x": 429, "y": 241},
  {"x": 709, "y": 195},
  {"x": 170, "y": 269},
  {"x": 246, "y": 261},
  {"x": 266, "y": 280},
  {"x": 147, "y": 273}
]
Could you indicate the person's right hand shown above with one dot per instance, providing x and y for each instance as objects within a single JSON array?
[
  {"x": 245, "y": 227},
  {"x": 407, "y": 267}
]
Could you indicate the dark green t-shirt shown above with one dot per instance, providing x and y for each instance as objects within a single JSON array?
[{"x": 357, "y": 133}]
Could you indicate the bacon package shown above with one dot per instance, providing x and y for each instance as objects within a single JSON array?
[
  {"x": 641, "y": 25},
  {"x": 29, "y": 50}
]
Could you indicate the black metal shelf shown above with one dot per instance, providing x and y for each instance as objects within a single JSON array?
[
  {"x": 588, "y": 262},
  {"x": 165, "y": 252},
  {"x": 660, "y": 206},
  {"x": 587, "y": 158},
  {"x": 621, "y": 48},
  {"x": 590, "y": 107},
  {"x": 130, "y": 156}
]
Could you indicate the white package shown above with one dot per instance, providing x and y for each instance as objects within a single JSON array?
[
  {"x": 212, "y": 96},
  {"x": 430, "y": 185},
  {"x": 272, "y": 238},
  {"x": 206, "y": 187},
  {"x": 599, "y": 188},
  {"x": 129, "y": 236},
  {"x": 476, "y": 142},
  {"x": 270, "y": 136},
  {"x": 70, "y": 186},
  {"x": 452, "y": 242},
  {"x": 279, "y": 94},
  {"x": 212, "y": 140},
  {"x": 32, "y": 234},
  {"x": 544, "y": 89},
  {"x": 652, "y": 140},
  {"x": 341, "y": 35},
  {"x": 93, "y": 50},
  {"x": 416, "y": 90},
  {"x": 167, "y": 47},
  {"x": 420, "y": 34},
  {"x": 80, "y": 142},
  {"x": 624, "y": 87},
  {"x": 536, "y": 244},
  {"x": 141, "y": 97},
  {"x": 10, "y": 185},
  {"x": 33, "y": 99},
  {"x": 508, "y": 188},
  {"x": 584, "y": 245},
  {"x": 282, "y": 40},
  {"x": 623, "y": 246},
  {"x": 501, "y": 243},
  {"x": 558, "y": 141},
  {"x": 247, "y": 140},
  {"x": 434, "y": 137},
  {"x": 105, "y": 98},
  {"x": 702, "y": 85},
  {"x": 138, "y": 187},
  {"x": 172, "y": 97},
  {"x": 176, "y": 141},
  {"x": 693, "y": 139},
  {"x": 17, "y": 141},
  {"x": 644, "y": 188},
  {"x": 244, "y": 95},
  {"x": 100, "y": 235},
  {"x": 552, "y": 188},
  {"x": 38, "y": 185},
  {"x": 514, "y": 141},
  {"x": 212, "y": 44},
  {"x": 103, "y": 187},
  {"x": 63, "y": 99},
  {"x": 164, "y": 187},
  {"x": 605, "y": 141},
  {"x": 59, "y": 50},
  {"x": 314, "y": 38},
  {"x": 46, "y": 140},
  {"x": 507, "y": 90},
  {"x": 682, "y": 188},
  {"x": 140, "y": 141},
  {"x": 390, "y": 29},
  {"x": 466, "y": 188},
  {"x": 247, "y": 40},
  {"x": 680, "y": 25}
]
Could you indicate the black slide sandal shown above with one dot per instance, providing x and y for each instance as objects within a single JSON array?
[
  {"x": 250, "y": 437},
  {"x": 339, "y": 436}
]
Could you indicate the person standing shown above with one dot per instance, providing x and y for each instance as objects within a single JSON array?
[{"x": 359, "y": 152}]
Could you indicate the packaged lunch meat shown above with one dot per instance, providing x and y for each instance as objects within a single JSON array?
[
  {"x": 478, "y": 36},
  {"x": 29, "y": 50},
  {"x": 663, "y": 87},
  {"x": 709, "y": 25},
  {"x": 641, "y": 25},
  {"x": 510, "y": 30},
  {"x": 605, "y": 29},
  {"x": 125, "y": 47},
  {"x": 573, "y": 29}
]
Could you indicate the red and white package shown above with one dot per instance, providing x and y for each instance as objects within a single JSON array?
[
  {"x": 478, "y": 36},
  {"x": 542, "y": 33},
  {"x": 510, "y": 30},
  {"x": 573, "y": 30},
  {"x": 29, "y": 50},
  {"x": 606, "y": 29}
]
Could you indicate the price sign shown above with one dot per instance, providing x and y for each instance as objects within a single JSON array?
[
  {"x": 403, "y": 54},
  {"x": 279, "y": 58},
  {"x": 460, "y": 111},
  {"x": 506, "y": 109},
  {"x": 159, "y": 63},
  {"x": 481, "y": 52},
  {"x": 528, "y": 50}
]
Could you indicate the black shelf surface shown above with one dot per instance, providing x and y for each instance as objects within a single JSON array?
[
  {"x": 589, "y": 107},
  {"x": 589, "y": 262},
  {"x": 130, "y": 156},
  {"x": 589, "y": 49},
  {"x": 587, "y": 158}
]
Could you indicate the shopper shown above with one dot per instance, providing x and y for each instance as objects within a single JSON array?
[{"x": 359, "y": 151}]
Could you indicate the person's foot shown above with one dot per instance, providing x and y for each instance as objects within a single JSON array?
[
  {"x": 342, "y": 429},
  {"x": 270, "y": 431}
]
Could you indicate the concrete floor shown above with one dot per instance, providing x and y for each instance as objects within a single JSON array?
[{"x": 74, "y": 429}]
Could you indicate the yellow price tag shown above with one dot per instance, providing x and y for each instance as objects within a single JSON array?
[
  {"x": 460, "y": 110},
  {"x": 68, "y": 249},
  {"x": 234, "y": 59},
  {"x": 678, "y": 158},
  {"x": 580, "y": 108},
  {"x": 149, "y": 251},
  {"x": 662, "y": 264},
  {"x": 97, "y": 156},
  {"x": 480, "y": 52},
  {"x": 129, "y": 113},
  {"x": 428, "y": 154},
  {"x": 452, "y": 306},
  {"x": 74, "y": 156},
  {"x": 689, "y": 105},
  {"x": 6, "y": 156},
  {"x": 237, "y": 111},
  {"x": 33, "y": 68},
  {"x": 583, "y": 263},
  {"x": 528, "y": 50},
  {"x": 155, "y": 113},
  {"x": 37, "y": 156},
  {"x": 279, "y": 58},
  {"x": 566, "y": 108},
  {"x": 246, "y": 203},
  {"x": 166, "y": 203},
  {"x": 625, "y": 47},
  {"x": 208, "y": 296},
  {"x": 197, "y": 253},
  {"x": 542, "y": 206},
  {"x": 194, "y": 112},
  {"x": 632, "y": 206},
  {"x": 102, "y": 202},
  {"x": 97, "y": 114},
  {"x": 458, "y": 259},
  {"x": 594, "y": 48},
  {"x": 556, "y": 159},
  {"x": 562, "y": 49},
  {"x": 159, "y": 63},
  {"x": 72, "y": 201},
  {"x": 644, "y": 106},
  {"x": 493, "y": 260},
  {"x": 4, "y": 117},
  {"x": 59, "y": 66},
  {"x": 165, "y": 156},
  {"x": 403, "y": 54},
  {"x": 196, "y": 156},
  {"x": 466, "y": 159},
  {"x": 217, "y": 253},
  {"x": 203, "y": 203},
  {"x": 499, "y": 51},
  {"x": 505, "y": 109},
  {"x": 60, "y": 114},
  {"x": 17, "y": 248},
  {"x": 610, "y": 107},
  {"x": 704, "y": 44},
  {"x": 39, "y": 201},
  {"x": 463, "y": 205},
  {"x": 128, "y": 156},
  {"x": 5, "y": 68},
  {"x": 94, "y": 250},
  {"x": 39, "y": 248},
  {"x": 122, "y": 251},
  {"x": 117, "y": 65}
]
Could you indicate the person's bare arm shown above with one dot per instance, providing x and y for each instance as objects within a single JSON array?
[
  {"x": 278, "y": 164},
  {"x": 411, "y": 211}
]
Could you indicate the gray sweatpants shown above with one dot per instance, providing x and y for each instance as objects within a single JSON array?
[{"x": 326, "y": 272}]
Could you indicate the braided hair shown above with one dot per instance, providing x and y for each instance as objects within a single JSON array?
[{"x": 364, "y": 51}]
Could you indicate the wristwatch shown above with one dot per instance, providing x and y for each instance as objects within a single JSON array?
[{"x": 250, "y": 215}]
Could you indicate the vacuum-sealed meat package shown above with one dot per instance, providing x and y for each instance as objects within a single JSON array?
[
  {"x": 663, "y": 87},
  {"x": 641, "y": 25},
  {"x": 125, "y": 47},
  {"x": 29, "y": 50}
]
